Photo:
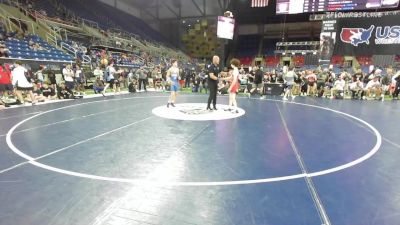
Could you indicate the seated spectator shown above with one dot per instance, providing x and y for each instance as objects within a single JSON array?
[
  {"x": 373, "y": 87},
  {"x": 48, "y": 92},
  {"x": 63, "y": 92},
  {"x": 132, "y": 87},
  {"x": 37, "y": 94},
  {"x": 98, "y": 86},
  {"x": 356, "y": 88},
  {"x": 338, "y": 87}
]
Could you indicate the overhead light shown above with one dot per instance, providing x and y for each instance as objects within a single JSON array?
[
  {"x": 183, "y": 21},
  {"x": 189, "y": 25}
]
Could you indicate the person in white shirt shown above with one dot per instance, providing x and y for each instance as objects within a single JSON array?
[
  {"x": 373, "y": 86},
  {"x": 79, "y": 80},
  {"x": 110, "y": 78},
  {"x": 338, "y": 86},
  {"x": 289, "y": 79},
  {"x": 98, "y": 73},
  {"x": 21, "y": 83},
  {"x": 356, "y": 88},
  {"x": 68, "y": 77}
]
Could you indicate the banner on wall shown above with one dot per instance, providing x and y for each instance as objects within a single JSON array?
[
  {"x": 327, "y": 41},
  {"x": 367, "y": 34}
]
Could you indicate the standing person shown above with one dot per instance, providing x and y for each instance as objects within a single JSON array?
[
  {"x": 188, "y": 77},
  {"x": 79, "y": 80},
  {"x": 234, "y": 85},
  {"x": 289, "y": 78},
  {"x": 39, "y": 75},
  {"x": 173, "y": 79},
  {"x": 257, "y": 78},
  {"x": 6, "y": 86},
  {"x": 203, "y": 81},
  {"x": 142, "y": 78},
  {"x": 98, "y": 73},
  {"x": 21, "y": 83},
  {"x": 110, "y": 73},
  {"x": 52, "y": 78},
  {"x": 213, "y": 74},
  {"x": 68, "y": 75}
]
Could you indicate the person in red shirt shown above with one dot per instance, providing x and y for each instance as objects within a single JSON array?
[{"x": 6, "y": 86}]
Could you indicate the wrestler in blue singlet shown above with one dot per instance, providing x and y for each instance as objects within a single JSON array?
[{"x": 174, "y": 80}]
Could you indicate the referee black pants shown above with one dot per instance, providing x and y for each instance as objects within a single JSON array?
[{"x": 213, "y": 94}]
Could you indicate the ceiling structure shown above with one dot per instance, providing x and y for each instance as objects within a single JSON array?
[{"x": 161, "y": 10}]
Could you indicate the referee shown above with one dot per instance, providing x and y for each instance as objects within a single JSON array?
[{"x": 213, "y": 73}]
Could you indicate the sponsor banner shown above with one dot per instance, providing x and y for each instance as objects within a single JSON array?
[
  {"x": 368, "y": 36},
  {"x": 327, "y": 41}
]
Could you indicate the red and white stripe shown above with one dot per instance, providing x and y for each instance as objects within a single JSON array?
[{"x": 259, "y": 3}]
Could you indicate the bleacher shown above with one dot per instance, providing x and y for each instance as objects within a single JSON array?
[
  {"x": 110, "y": 17},
  {"x": 20, "y": 49}
]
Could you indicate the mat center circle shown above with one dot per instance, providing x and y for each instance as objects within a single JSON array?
[{"x": 197, "y": 112}]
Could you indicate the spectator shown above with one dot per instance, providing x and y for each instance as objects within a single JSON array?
[
  {"x": 98, "y": 86},
  {"x": 311, "y": 85},
  {"x": 356, "y": 88},
  {"x": 6, "y": 87},
  {"x": 142, "y": 78},
  {"x": 39, "y": 75},
  {"x": 48, "y": 92},
  {"x": 110, "y": 78},
  {"x": 258, "y": 78},
  {"x": 4, "y": 51},
  {"x": 63, "y": 92},
  {"x": 52, "y": 79},
  {"x": 396, "y": 82},
  {"x": 20, "y": 81},
  {"x": 338, "y": 87},
  {"x": 289, "y": 78},
  {"x": 374, "y": 87},
  {"x": 98, "y": 73},
  {"x": 203, "y": 80},
  {"x": 68, "y": 75},
  {"x": 79, "y": 80}
]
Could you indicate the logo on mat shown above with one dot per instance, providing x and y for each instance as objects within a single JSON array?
[
  {"x": 356, "y": 36},
  {"x": 193, "y": 109}
]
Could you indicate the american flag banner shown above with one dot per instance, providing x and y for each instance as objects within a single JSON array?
[{"x": 259, "y": 3}]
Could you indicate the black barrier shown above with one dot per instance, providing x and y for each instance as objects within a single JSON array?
[{"x": 273, "y": 89}]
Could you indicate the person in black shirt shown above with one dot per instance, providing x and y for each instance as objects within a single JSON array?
[{"x": 213, "y": 73}]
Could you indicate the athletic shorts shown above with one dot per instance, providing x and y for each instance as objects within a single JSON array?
[
  {"x": 111, "y": 82},
  {"x": 175, "y": 87},
  {"x": 6, "y": 87}
]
